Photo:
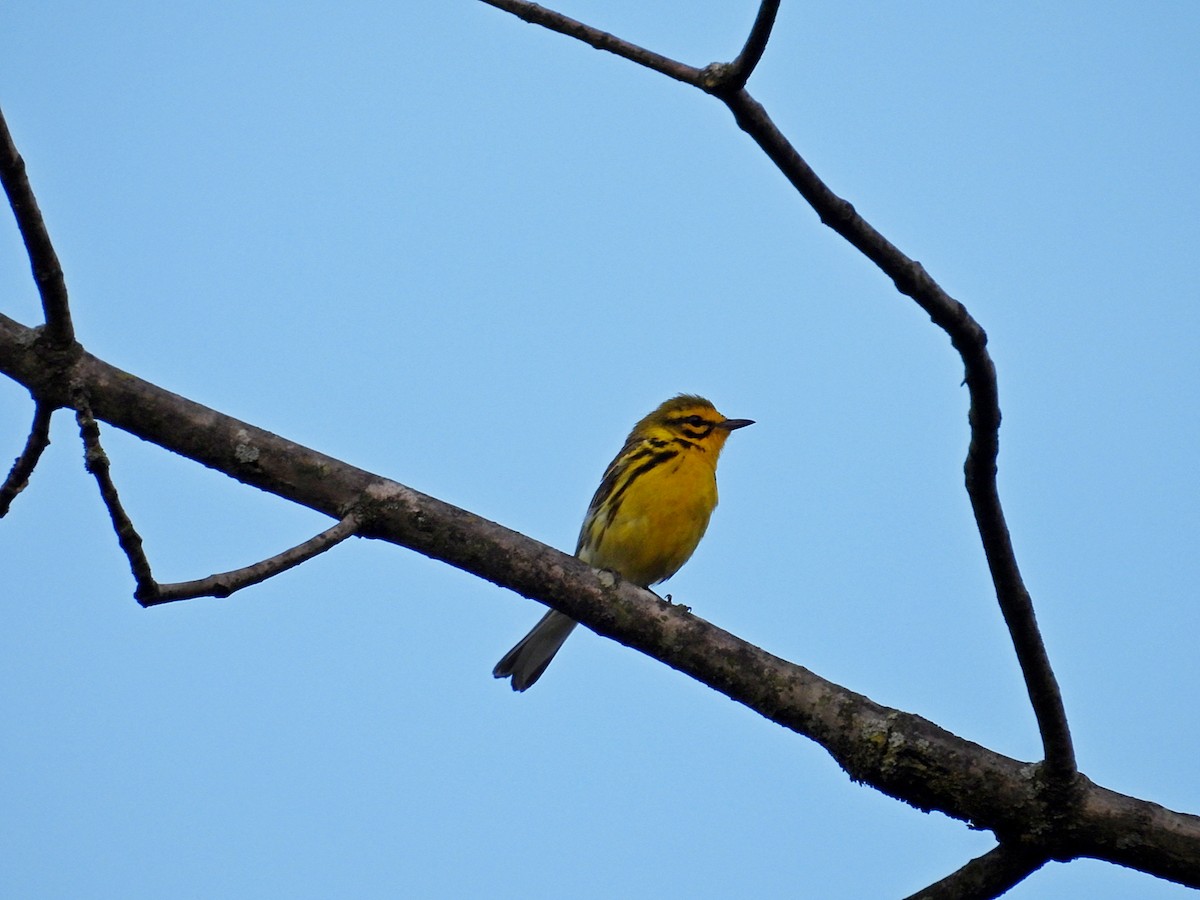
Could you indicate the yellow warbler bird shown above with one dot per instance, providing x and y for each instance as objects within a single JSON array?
[{"x": 648, "y": 515}]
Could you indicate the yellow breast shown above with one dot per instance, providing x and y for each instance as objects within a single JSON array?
[{"x": 656, "y": 521}]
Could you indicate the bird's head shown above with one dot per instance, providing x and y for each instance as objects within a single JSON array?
[{"x": 688, "y": 418}]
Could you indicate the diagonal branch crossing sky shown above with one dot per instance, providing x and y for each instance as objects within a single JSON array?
[{"x": 468, "y": 254}]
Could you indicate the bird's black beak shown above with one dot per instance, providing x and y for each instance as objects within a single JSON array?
[{"x": 731, "y": 424}]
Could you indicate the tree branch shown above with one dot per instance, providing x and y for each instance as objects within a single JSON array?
[
  {"x": 970, "y": 340},
  {"x": 23, "y": 465},
  {"x": 987, "y": 876},
  {"x": 96, "y": 462},
  {"x": 47, "y": 273},
  {"x": 226, "y": 583},
  {"x": 747, "y": 61},
  {"x": 896, "y": 752},
  {"x": 149, "y": 592},
  {"x": 601, "y": 40},
  {"x": 951, "y": 316}
]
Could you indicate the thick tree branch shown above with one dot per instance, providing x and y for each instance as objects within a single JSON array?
[
  {"x": 987, "y": 876},
  {"x": 965, "y": 334},
  {"x": 23, "y": 465},
  {"x": 47, "y": 273},
  {"x": 901, "y": 754}
]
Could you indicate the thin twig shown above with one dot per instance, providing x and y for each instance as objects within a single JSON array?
[
  {"x": 987, "y": 876},
  {"x": 970, "y": 340},
  {"x": 601, "y": 40},
  {"x": 965, "y": 334},
  {"x": 756, "y": 45},
  {"x": 96, "y": 462},
  {"x": 149, "y": 592},
  {"x": 47, "y": 273},
  {"x": 225, "y": 583},
  {"x": 23, "y": 466}
]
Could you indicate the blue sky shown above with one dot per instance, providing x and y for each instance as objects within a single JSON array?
[{"x": 468, "y": 254}]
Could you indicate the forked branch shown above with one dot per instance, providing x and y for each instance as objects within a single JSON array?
[
  {"x": 910, "y": 278},
  {"x": 898, "y": 753},
  {"x": 59, "y": 333},
  {"x": 149, "y": 592}
]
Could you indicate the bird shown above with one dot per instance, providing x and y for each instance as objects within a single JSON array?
[{"x": 646, "y": 518}]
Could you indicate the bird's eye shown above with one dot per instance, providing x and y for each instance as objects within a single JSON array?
[{"x": 695, "y": 421}]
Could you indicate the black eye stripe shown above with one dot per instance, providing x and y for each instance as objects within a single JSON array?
[
  {"x": 694, "y": 426},
  {"x": 694, "y": 421}
]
